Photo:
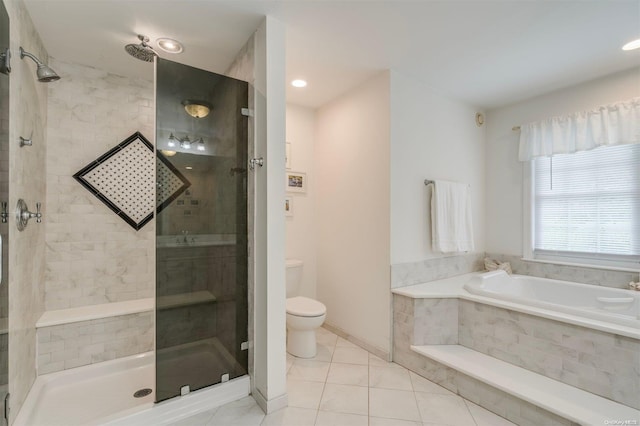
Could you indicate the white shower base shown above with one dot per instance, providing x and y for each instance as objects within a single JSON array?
[{"x": 102, "y": 394}]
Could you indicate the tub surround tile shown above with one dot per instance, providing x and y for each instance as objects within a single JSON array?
[
  {"x": 585, "y": 358},
  {"x": 599, "y": 362},
  {"x": 585, "y": 275},
  {"x": 406, "y": 274}
]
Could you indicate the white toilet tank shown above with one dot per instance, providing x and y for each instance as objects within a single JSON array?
[{"x": 294, "y": 277}]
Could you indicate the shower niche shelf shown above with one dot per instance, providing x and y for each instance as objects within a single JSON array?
[{"x": 185, "y": 299}]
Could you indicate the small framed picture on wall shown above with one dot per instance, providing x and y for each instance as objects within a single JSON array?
[
  {"x": 296, "y": 182},
  {"x": 288, "y": 206}
]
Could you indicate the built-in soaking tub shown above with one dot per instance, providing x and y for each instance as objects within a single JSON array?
[
  {"x": 103, "y": 394},
  {"x": 584, "y": 338},
  {"x": 611, "y": 305}
]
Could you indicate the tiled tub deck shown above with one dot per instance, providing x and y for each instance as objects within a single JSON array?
[{"x": 604, "y": 360}]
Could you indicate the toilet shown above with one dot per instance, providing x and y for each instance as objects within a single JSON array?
[{"x": 304, "y": 315}]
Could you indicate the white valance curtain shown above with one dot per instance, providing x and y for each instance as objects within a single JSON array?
[{"x": 614, "y": 124}]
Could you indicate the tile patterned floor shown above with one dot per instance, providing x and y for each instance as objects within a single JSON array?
[{"x": 344, "y": 385}]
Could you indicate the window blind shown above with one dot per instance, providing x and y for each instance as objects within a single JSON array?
[{"x": 589, "y": 203}]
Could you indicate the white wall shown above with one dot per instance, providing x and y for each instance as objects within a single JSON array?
[
  {"x": 504, "y": 223},
  {"x": 270, "y": 308},
  {"x": 261, "y": 62},
  {"x": 432, "y": 137},
  {"x": 352, "y": 190},
  {"x": 301, "y": 229}
]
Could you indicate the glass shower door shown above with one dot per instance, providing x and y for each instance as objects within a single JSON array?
[
  {"x": 4, "y": 208},
  {"x": 201, "y": 229}
]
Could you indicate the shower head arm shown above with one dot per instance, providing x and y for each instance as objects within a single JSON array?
[{"x": 24, "y": 53}]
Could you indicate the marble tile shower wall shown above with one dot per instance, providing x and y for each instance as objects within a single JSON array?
[
  {"x": 187, "y": 269},
  {"x": 28, "y": 110},
  {"x": 208, "y": 206},
  {"x": 602, "y": 363},
  {"x": 602, "y": 277},
  {"x": 92, "y": 256},
  {"x": 61, "y": 347}
]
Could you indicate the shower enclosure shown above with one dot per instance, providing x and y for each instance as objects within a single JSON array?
[{"x": 201, "y": 229}]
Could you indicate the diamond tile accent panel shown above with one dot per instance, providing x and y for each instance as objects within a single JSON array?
[{"x": 123, "y": 179}]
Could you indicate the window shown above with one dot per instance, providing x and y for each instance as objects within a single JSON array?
[{"x": 586, "y": 207}]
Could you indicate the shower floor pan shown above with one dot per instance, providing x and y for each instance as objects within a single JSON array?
[{"x": 102, "y": 393}]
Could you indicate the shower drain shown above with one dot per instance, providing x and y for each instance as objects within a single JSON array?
[{"x": 142, "y": 393}]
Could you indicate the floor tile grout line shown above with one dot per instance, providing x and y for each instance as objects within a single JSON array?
[{"x": 466, "y": 404}]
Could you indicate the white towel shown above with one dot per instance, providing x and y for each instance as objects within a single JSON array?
[{"x": 451, "y": 227}]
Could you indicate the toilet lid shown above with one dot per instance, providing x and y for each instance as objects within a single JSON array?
[{"x": 305, "y": 307}]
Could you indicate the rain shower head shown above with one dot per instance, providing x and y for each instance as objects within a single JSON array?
[
  {"x": 141, "y": 51},
  {"x": 44, "y": 73}
]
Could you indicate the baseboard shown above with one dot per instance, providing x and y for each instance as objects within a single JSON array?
[
  {"x": 380, "y": 353},
  {"x": 269, "y": 406}
]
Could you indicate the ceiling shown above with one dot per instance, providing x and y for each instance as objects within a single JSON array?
[{"x": 485, "y": 53}]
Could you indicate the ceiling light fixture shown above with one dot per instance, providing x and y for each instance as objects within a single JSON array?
[
  {"x": 197, "y": 109},
  {"x": 168, "y": 153},
  {"x": 299, "y": 83},
  {"x": 188, "y": 167},
  {"x": 169, "y": 45},
  {"x": 632, "y": 45}
]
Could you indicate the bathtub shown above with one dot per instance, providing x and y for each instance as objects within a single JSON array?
[
  {"x": 102, "y": 394},
  {"x": 606, "y": 304}
]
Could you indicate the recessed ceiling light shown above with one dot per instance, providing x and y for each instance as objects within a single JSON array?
[
  {"x": 170, "y": 45},
  {"x": 189, "y": 168},
  {"x": 299, "y": 83},
  {"x": 635, "y": 44}
]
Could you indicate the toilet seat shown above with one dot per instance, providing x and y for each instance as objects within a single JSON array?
[{"x": 305, "y": 307}]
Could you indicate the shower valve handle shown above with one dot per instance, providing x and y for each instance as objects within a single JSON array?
[{"x": 23, "y": 214}]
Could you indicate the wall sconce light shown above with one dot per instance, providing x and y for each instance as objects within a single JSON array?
[{"x": 201, "y": 146}]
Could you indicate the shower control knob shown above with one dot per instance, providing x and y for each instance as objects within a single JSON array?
[{"x": 23, "y": 214}]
